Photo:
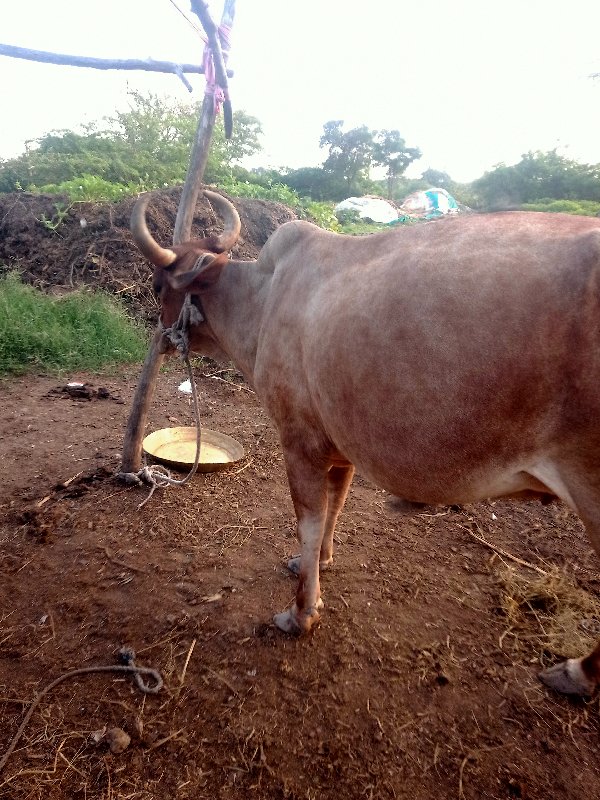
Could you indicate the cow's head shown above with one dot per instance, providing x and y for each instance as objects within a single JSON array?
[{"x": 192, "y": 267}]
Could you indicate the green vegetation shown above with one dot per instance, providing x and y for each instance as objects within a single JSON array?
[
  {"x": 148, "y": 147},
  {"x": 390, "y": 151},
  {"x": 90, "y": 188},
  {"x": 588, "y": 208},
  {"x": 347, "y": 167},
  {"x": 538, "y": 178},
  {"x": 81, "y": 330},
  {"x": 56, "y": 220},
  {"x": 360, "y": 227},
  {"x": 278, "y": 192},
  {"x": 320, "y": 213}
]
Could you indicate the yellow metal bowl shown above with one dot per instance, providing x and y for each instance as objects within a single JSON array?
[{"x": 176, "y": 447}]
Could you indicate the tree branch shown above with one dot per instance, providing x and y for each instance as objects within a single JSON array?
[{"x": 148, "y": 65}]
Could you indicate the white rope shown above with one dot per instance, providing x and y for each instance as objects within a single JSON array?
[{"x": 156, "y": 475}]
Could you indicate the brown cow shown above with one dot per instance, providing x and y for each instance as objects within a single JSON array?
[{"x": 450, "y": 361}]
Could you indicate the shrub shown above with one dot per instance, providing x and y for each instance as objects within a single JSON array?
[
  {"x": 278, "y": 192},
  {"x": 322, "y": 214},
  {"x": 90, "y": 188},
  {"x": 589, "y": 208}
]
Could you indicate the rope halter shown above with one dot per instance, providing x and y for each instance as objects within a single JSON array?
[{"x": 178, "y": 333}]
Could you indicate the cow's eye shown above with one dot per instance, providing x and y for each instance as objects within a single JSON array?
[{"x": 156, "y": 289}]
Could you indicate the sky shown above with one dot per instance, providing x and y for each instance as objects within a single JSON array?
[{"x": 472, "y": 83}]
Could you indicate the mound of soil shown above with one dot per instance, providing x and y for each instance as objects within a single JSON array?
[{"x": 57, "y": 245}]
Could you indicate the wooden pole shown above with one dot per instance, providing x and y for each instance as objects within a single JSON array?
[
  {"x": 195, "y": 175},
  {"x": 201, "y": 146},
  {"x": 131, "y": 460},
  {"x": 138, "y": 416}
]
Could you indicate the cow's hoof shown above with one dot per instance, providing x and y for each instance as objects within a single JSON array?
[
  {"x": 296, "y": 624},
  {"x": 294, "y": 565},
  {"x": 568, "y": 678}
]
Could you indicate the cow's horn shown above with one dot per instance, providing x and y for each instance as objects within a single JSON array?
[
  {"x": 159, "y": 256},
  {"x": 230, "y": 217}
]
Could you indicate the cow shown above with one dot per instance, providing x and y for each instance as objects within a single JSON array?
[{"x": 449, "y": 361}]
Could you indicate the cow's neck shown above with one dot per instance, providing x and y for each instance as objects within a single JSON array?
[{"x": 234, "y": 312}]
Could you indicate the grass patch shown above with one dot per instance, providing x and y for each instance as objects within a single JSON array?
[
  {"x": 83, "y": 330},
  {"x": 362, "y": 228}
]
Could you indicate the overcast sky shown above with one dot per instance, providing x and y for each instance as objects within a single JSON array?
[{"x": 471, "y": 83}]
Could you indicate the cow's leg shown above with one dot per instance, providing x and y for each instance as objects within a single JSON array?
[
  {"x": 309, "y": 489},
  {"x": 338, "y": 484},
  {"x": 580, "y": 676}
]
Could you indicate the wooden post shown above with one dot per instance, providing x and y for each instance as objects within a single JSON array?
[
  {"x": 134, "y": 433},
  {"x": 201, "y": 146},
  {"x": 131, "y": 460},
  {"x": 193, "y": 181}
]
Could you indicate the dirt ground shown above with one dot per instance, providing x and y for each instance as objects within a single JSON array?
[{"x": 416, "y": 684}]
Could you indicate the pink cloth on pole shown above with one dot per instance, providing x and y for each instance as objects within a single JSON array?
[{"x": 212, "y": 86}]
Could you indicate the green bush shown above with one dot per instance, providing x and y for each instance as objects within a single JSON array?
[
  {"x": 277, "y": 192},
  {"x": 362, "y": 227},
  {"x": 82, "y": 330},
  {"x": 90, "y": 188},
  {"x": 348, "y": 216},
  {"x": 350, "y": 222},
  {"x": 322, "y": 214},
  {"x": 319, "y": 213},
  {"x": 589, "y": 208}
]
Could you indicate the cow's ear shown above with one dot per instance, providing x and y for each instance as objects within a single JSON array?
[{"x": 205, "y": 274}]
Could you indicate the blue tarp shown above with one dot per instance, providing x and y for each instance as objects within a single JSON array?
[{"x": 429, "y": 204}]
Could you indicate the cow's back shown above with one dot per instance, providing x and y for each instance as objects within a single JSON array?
[{"x": 440, "y": 351}]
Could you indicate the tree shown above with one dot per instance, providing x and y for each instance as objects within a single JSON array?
[
  {"x": 62, "y": 155},
  {"x": 438, "y": 179},
  {"x": 315, "y": 182},
  {"x": 390, "y": 151},
  {"x": 147, "y": 145},
  {"x": 354, "y": 152},
  {"x": 226, "y": 154},
  {"x": 538, "y": 176},
  {"x": 350, "y": 154}
]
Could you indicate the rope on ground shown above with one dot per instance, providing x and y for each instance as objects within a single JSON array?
[
  {"x": 128, "y": 665},
  {"x": 157, "y": 476}
]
